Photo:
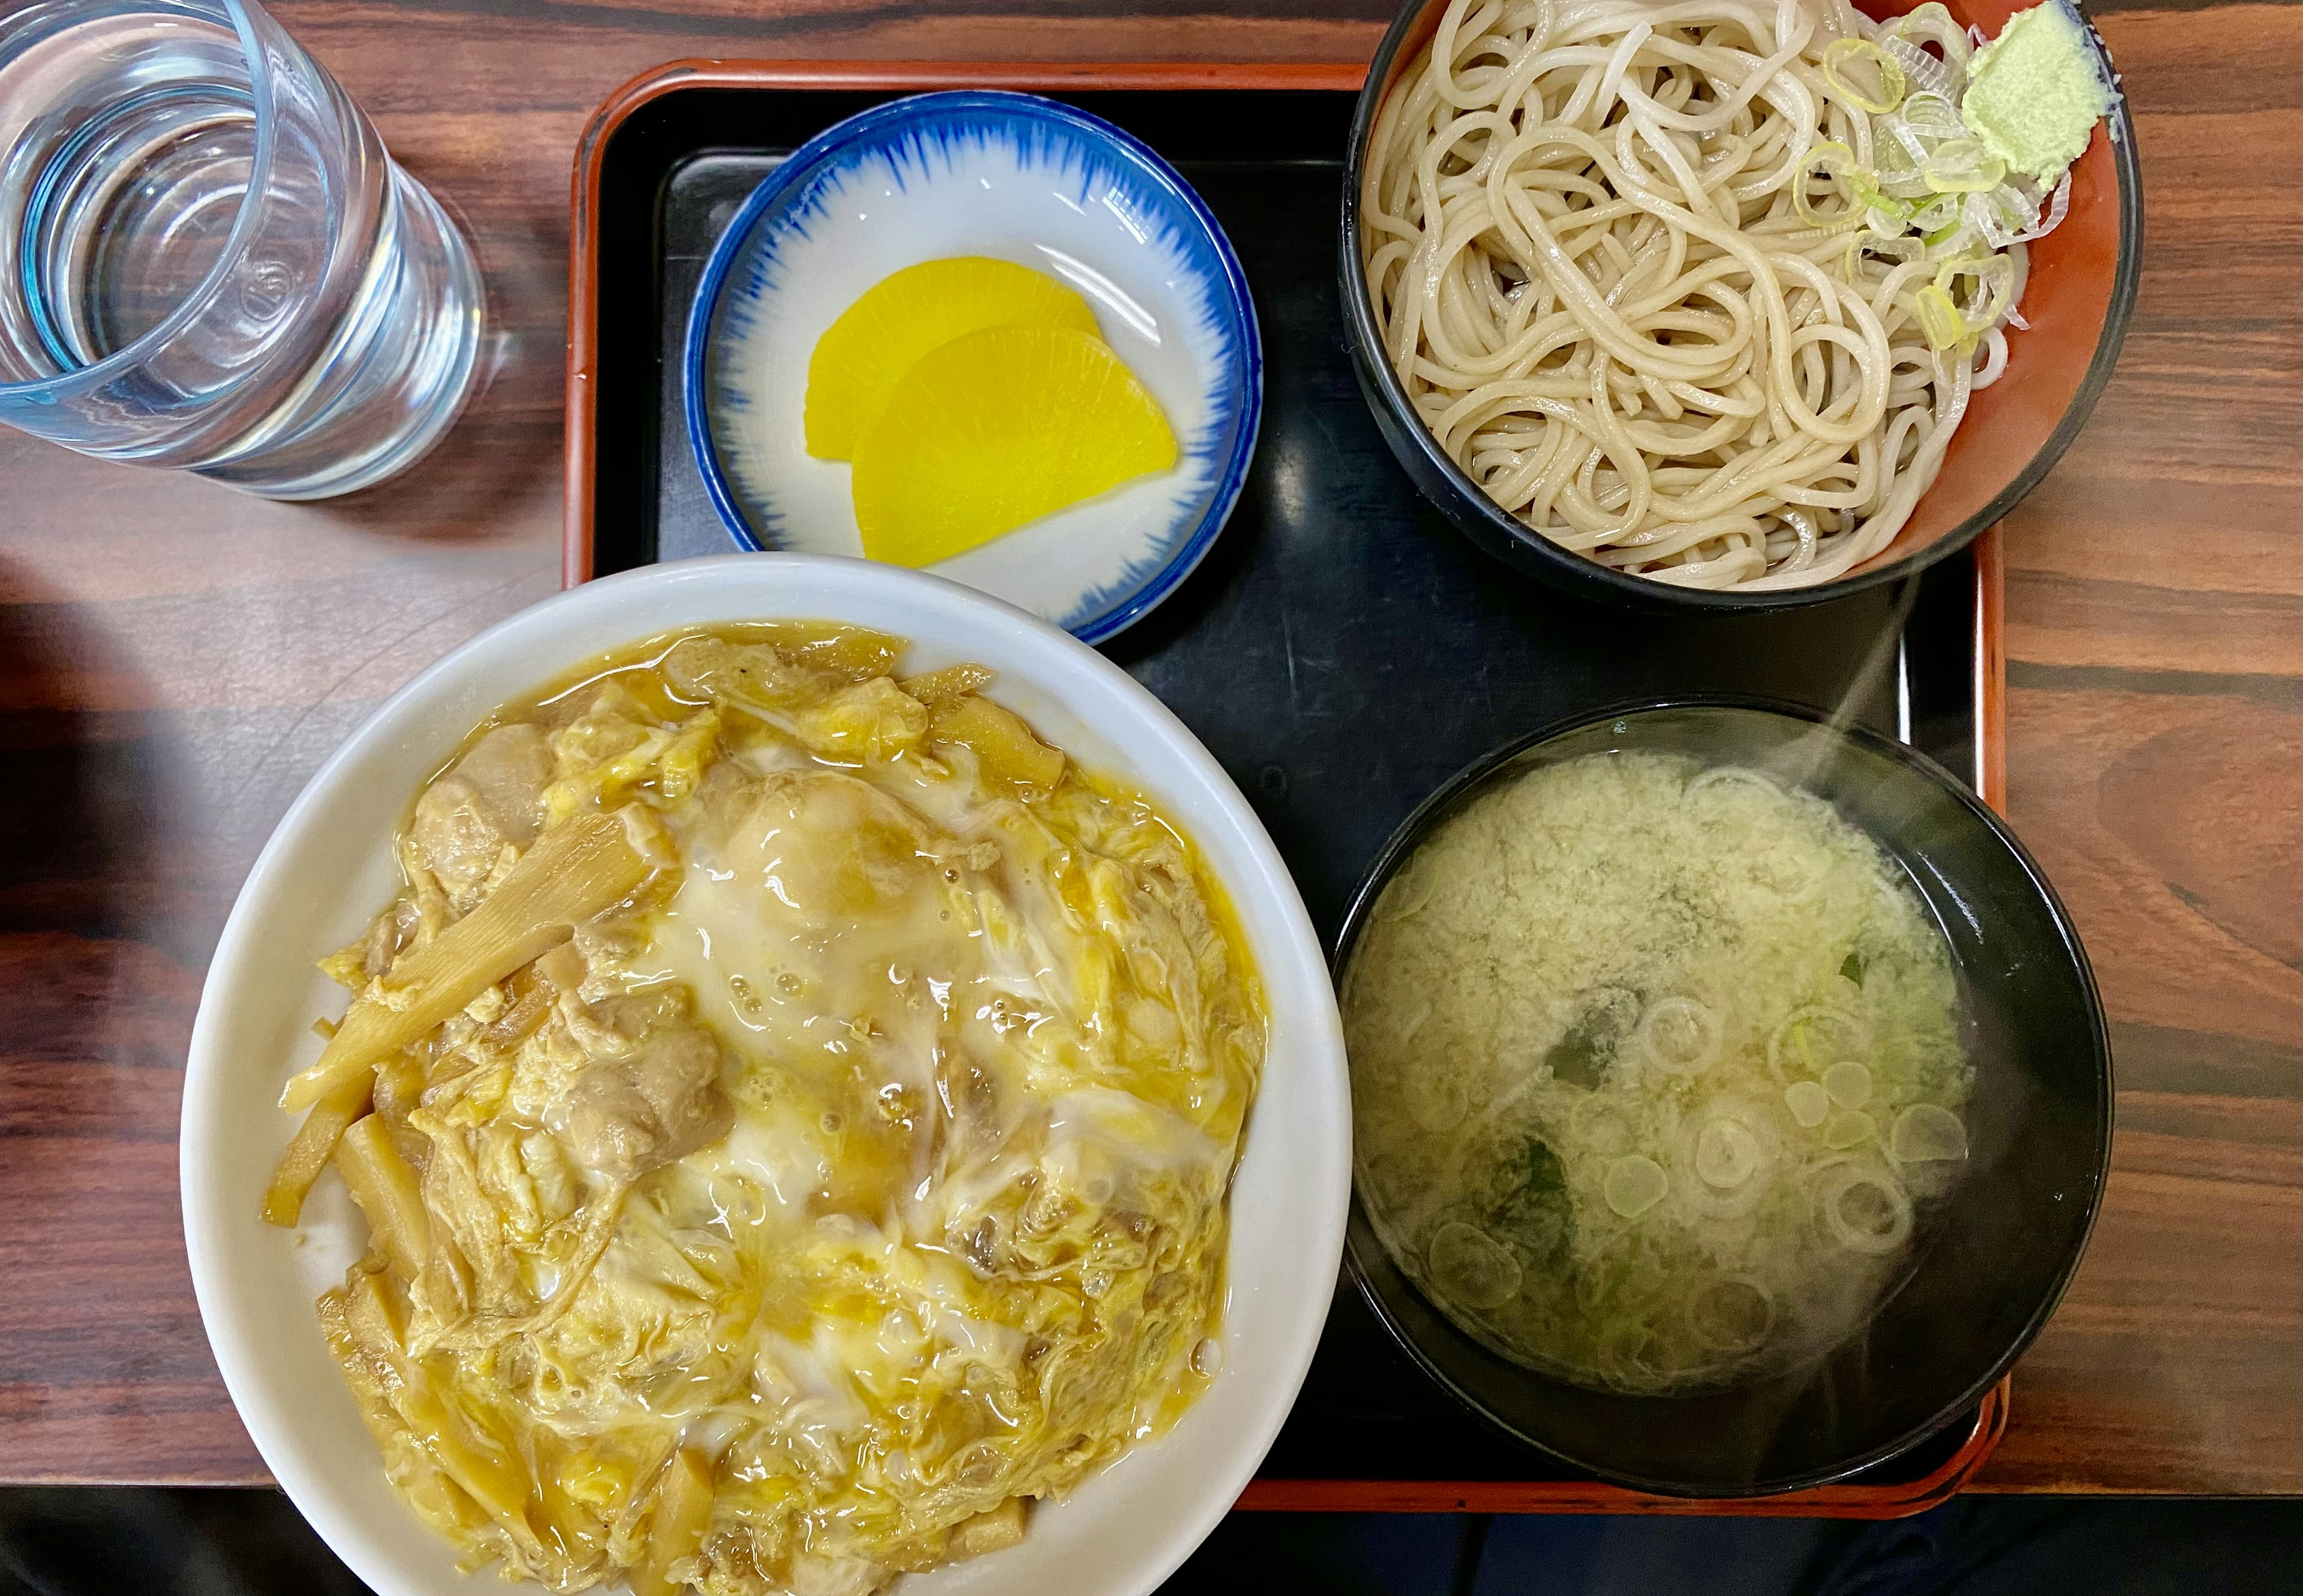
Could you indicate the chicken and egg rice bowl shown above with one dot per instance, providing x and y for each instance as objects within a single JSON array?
[{"x": 794, "y": 1109}]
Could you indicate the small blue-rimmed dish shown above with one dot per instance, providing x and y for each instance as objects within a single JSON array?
[{"x": 1017, "y": 177}]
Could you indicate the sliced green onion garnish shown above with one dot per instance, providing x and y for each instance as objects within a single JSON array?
[
  {"x": 1994, "y": 276},
  {"x": 1836, "y": 162},
  {"x": 1939, "y": 318},
  {"x": 1932, "y": 24},
  {"x": 1939, "y": 219},
  {"x": 1865, "y": 190},
  {"x": 1879, "y": 101},
  {"x": 1963, "y": 166}
]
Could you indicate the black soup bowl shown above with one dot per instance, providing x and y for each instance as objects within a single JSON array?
[{"x": 1989, "y": 1260}]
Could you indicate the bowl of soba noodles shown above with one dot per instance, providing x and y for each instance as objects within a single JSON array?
[
  {"x": 1735, "y": 305},
  {"x": 1731, "y": 1097}
]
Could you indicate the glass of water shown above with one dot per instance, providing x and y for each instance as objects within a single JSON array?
[{"x": 207, "y": 260}]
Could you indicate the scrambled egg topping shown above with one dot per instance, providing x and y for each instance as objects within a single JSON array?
[{"x": 821, "y": 1147}]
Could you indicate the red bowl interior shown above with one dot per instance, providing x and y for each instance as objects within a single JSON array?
[{"x": 2067, "y": 299}]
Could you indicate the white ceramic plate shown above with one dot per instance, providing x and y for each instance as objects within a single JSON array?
[
  {"x": 327, "y": 870},
  {"x": 1017, "y": 178}
]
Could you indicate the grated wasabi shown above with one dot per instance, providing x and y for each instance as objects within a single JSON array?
[{"x": 2035, "y": 93}]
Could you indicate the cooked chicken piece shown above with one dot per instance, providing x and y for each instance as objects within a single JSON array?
[
  {"x": 812, "y": 1573},
  {"x": 704, "y": 668},
  {"x": 493, "y": 797},
  {"x": 509, "y": 768},
  {"x": 459, "y": 839},
  {"x": 993, "y": 1531},
  {"x": 628, "y": 1116}
]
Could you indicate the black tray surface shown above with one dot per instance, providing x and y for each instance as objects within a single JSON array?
[{"x": 1342, "y": 650}]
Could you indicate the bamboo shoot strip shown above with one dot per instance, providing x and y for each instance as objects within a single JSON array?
[
  {"x": 308, "y": 1154},
  {"x": 385, "y": 1187},
  {"x": 574, "y": 871},
  {"x": 683, "y": 1512}
]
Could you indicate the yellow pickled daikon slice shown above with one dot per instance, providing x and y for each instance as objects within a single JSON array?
[
  {"x": 879, "y": 338},
  {"x": 997, "y": 429}
]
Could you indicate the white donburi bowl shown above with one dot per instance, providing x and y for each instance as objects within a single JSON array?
[{"x": 327, "y": 870}]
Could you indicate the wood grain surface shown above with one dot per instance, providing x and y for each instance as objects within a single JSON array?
[{"x": 175, "y": 659}]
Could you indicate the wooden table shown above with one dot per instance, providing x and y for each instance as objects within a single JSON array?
[{"x": 174, "y": 660}]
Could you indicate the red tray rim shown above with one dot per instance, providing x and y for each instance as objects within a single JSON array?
[{"x": 1897, "y": 1500}]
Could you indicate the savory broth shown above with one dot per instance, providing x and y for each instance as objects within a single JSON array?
[{"x": 1649, "y": 1065}]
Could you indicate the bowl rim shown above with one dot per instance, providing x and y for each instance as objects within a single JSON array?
[
  {"x": 269, "y": 77},
  {"x": 1411, "y": 831},
  {"x": 1381, "y": 385},
  {"x": 874, "y": 124},
  {"x": 1260, "y": 872}
]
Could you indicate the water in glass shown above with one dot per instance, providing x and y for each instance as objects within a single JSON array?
[{"x": 206, "y": 258}]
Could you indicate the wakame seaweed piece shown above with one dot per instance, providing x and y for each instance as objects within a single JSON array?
[
  {"x": 1545, "y": 1172},
  {"x": 1852, "y": 967},
  {"x": 1581, "y": 1057},
  {"x": 1574, "y": 1061},
  {"x": 1537, "y": 1214}
]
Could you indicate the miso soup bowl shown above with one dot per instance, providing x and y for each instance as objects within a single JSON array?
[
  {"x": 1989, "y": 1260},
  {"x": 2078, "y": 299},
  {"x": 329, "y": 868}
]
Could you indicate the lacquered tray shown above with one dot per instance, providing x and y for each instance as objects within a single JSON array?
[{"x": 1342, "y": 650}]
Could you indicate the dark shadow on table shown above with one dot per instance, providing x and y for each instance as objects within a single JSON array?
[{"x": 94, "y": 844}]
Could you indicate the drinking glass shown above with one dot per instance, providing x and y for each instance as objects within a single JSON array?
[{"x": 208, "y": 261}]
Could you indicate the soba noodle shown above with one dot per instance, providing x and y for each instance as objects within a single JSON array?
[{"x": 1633, "y": 265}]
